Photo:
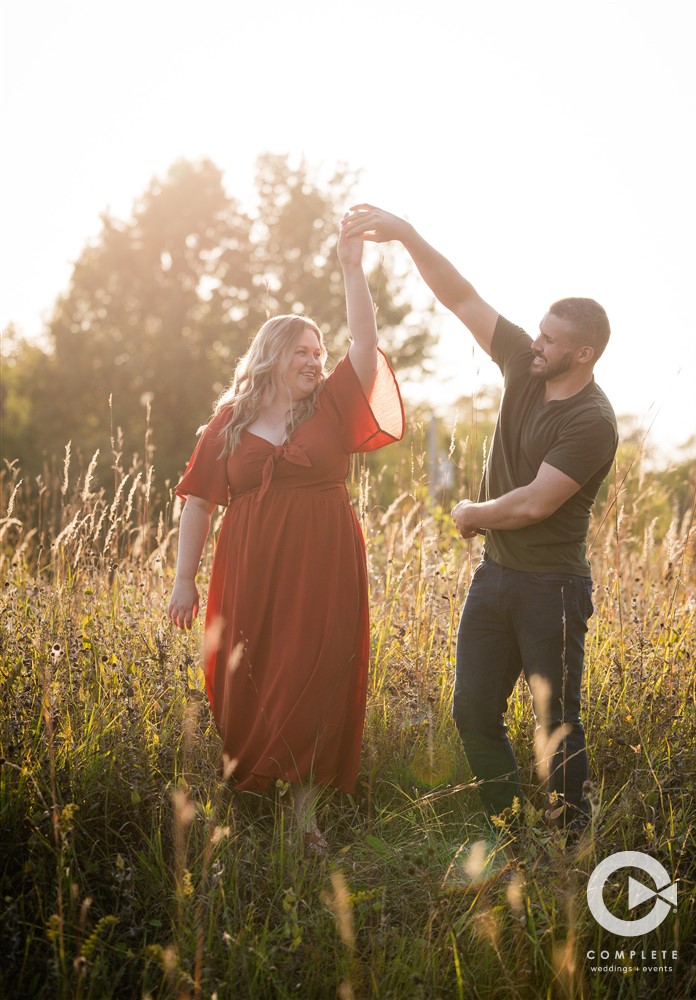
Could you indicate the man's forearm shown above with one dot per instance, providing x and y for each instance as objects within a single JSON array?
[
  {"x": 517, "y": 509},
  {"x": 520, "y": 507},
  {"x": 450, "y": 287}
]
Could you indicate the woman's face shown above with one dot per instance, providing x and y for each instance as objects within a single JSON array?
[{"x": 303, "y": 372}]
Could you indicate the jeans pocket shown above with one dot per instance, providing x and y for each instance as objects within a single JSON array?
[{"x": 583, "y": 590}]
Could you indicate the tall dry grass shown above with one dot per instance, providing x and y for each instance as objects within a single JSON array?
[{"x": 129, "y": 870}]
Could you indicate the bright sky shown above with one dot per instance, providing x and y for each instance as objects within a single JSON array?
[{"x": 547, "y": 148}]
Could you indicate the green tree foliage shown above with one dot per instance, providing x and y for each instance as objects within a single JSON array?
[
  {"x": 160, "y": 307},
  {"x": 148, "y": 315},
  {"x": 657, "y": 498},
  {"x": 25, "y": 381}
]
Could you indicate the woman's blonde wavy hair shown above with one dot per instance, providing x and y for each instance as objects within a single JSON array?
[{"x": 253, "y": 377}]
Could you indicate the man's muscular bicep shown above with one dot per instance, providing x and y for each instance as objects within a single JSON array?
[{"x": 551, "y": 489}]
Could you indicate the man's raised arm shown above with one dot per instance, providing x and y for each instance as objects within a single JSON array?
[{"x": 443, "y": 279}]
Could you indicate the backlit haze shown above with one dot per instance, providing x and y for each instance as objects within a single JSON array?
[{"x": 547, "y": 148}]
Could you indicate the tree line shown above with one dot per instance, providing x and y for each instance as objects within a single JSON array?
[{"x": 161, "y": 305}]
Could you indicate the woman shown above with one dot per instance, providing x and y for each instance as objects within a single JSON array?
[{"x": 287, "y": 627}]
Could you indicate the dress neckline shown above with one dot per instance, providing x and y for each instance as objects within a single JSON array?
[{"x": 260, "y": 437}]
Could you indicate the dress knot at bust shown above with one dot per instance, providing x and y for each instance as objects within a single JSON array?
[{"x": 292, "y": 453}]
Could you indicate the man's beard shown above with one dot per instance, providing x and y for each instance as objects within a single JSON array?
[{"x": 549, "y": 371}]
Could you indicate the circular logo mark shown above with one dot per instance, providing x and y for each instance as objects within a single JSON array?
[{"x": 665, "y": 893}]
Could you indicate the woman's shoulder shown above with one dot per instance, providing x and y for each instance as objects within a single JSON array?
[
  {"x": 220, "y": 417},
  {"x": 337, "y": 374}
]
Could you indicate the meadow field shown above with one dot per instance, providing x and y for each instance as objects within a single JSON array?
[{"x": 128, "y": 868}]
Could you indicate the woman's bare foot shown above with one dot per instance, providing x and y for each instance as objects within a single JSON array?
[
  {"x": 304, "y": 802},
  {"x": 314, "y": 842}
]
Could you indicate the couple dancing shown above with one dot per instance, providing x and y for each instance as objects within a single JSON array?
[{"x": 287, "y": 621}]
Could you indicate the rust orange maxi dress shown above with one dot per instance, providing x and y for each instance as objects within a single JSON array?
[{"x": 288, "y": 588}]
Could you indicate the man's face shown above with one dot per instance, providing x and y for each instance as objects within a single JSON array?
[{"x": 554, "y": 351}]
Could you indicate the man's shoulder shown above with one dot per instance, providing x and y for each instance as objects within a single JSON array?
[
  {"x": 595, "y": 402},
  {"x": 586, "y": 433},
  {"x": 510, "y": 343}
]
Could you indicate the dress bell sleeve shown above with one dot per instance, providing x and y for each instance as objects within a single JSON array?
[
  {"x": 206, "y": 472},
  {"x": 368, "y": 420}
]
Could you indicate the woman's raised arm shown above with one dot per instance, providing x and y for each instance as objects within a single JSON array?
[{"x": 360, "y": 309}]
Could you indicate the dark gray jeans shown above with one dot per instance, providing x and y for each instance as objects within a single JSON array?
[{"x": 535, "y": 623}]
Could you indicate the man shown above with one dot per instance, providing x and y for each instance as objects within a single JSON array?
[{"x": 530, "y": 598}]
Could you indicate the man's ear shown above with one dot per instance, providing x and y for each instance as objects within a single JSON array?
[{"x": 586, "y": 355}]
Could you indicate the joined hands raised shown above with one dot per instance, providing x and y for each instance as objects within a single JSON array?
[{"x": 373, "y": 224}]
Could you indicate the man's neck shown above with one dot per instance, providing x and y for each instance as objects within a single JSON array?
[{"x": 567, "y": 385}]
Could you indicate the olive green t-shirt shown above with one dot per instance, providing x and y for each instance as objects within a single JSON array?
[{"x": 578, "y": 436}]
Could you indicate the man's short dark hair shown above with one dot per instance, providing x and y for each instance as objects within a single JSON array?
[{"x": 588, "y": 319}]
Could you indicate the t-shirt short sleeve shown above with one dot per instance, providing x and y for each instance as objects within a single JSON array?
[
  {"x": 510, "y": 347},
  {"x": 586, "y": 446},
  {"x": 368, "y": 420},
  {"x": 206, "y": 472}
]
